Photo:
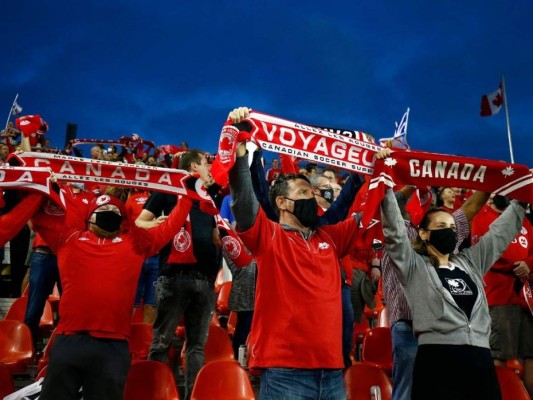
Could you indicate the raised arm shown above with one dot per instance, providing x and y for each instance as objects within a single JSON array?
[
  {"x": 396, "y": 241},
  {"x": 502, "y": 231},
  {"x": 12, "y": 222}
]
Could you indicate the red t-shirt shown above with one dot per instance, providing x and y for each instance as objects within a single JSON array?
[
  {"x": 500, "y": 279},
  {"x": 99, "y": 276},
  {"x": 298, "y": 312},
  {"x": 272, "y": 174}
]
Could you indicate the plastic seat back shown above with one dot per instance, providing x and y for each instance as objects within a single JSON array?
[
  {"x": 360, "y": 378},
  {"x": 16, "y": 345},
  {"x": 218, "y": 346},
  {"x": 383, "y": 318},
  {"x": 150, "y": 380},
  {"x": 45, "y": 359},
  {"x": 17, "y": 311},
  {"x": 222, "y": 380},
  {"x": 511, "y": 385},
  {"x": 377, "y": 349},
  {"x": 141, "y": 336},
  {"x": 7, "y": 385},
  {"x": 223, "y": 298}
]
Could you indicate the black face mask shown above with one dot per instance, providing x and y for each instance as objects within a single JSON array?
[
  {"x": 501, "y": 202},
  {"x": 306, "y": 210},
  {"x": 444, "y": 240},
  {"x": 327, "y": 194},
  {"x": 109, "y": 221}
]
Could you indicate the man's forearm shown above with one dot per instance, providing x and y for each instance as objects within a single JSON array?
[{"x": 244, "y": 205}]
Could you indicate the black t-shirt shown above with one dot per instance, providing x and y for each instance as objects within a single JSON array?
[
  {"x": 462, "y": 288},
  {"x": 207, "y": 255}
]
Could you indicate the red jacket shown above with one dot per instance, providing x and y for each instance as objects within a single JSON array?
[
  {"x": 98, "y": 275},
  {"x": 500, "y": 279}
]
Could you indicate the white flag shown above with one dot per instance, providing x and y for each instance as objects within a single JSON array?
[
  {"x": 399, "y": 140},
  {"x": 16, "y": 109}
]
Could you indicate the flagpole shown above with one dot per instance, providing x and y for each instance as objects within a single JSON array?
[
  {"x": 507, "y": 118},
  {"x": 11, "y": 110}
]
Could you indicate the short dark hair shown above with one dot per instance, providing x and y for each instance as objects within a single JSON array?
[
  {"x": 189, "y": 157},
  {"x": 310, "y": 167},
  {"x": 281, "y": 187}
]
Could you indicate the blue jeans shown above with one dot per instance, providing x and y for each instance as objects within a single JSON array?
[
  {"x": 147, "y": 282},
  {"x": 404, "y": 348},
  {"x": 302, "y": 384},
  {"x": 43, "y": 276},
  {"x": 347, "y": 324},
  {"x": 194, "y": 299}
]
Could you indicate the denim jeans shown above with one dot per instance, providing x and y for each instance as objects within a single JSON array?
[
  {"x": 347, "y": 325},
  {"x": 147, "y": 282},
  {"x": 302, "y": 384},
  {"x": 404, "y": 348},
  {"x": 194, "y": 299},
  {"x": 43, "y": 276}
]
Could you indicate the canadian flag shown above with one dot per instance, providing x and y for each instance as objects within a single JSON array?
[{"x": 491, "y": 103}]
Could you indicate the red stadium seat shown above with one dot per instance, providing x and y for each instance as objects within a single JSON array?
[
  {"x": 17, "y": 312},
  {"x": 360, "y": 330},
  {"x": 377, "y": 349},
  {"x": 6, "y": 381},
  {"x": 223, "y": 298},
  {"x": 232, "y": 323},
  {"x": 511, "y": 385},
  {"x": 141, "y": 336},
  {"x": 222, "y": 380},
  {"x": 516, "y": 366},
  {"x": 383, "y": 318},
  {"x": 359, "y": 378},
  {"x": 42, "y": 373},
  {"x": 218, "y": 346},
  {"x": 16, "y": 346},
  {"x": 45, "y": 359},
  {"x": 150, "y": 380}
]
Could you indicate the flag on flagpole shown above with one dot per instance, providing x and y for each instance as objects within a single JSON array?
[
  {"x": 16, "y": 109},
  {"x": 491, "y": 103},
  {"x": 399, "y": 140}
]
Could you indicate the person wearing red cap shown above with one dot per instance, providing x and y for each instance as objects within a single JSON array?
[{"x": 98, "y": 266}]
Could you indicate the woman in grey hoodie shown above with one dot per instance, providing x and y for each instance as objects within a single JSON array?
[{"x": 446, "y": 297}]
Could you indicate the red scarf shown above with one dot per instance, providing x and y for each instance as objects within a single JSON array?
[
  {"x": 429, "y": 169},
  {"x": 33, "y": 178},
  {"x": 295, "y": 139},
  {"x": 233, "y": 245},
  {"x": 76, "y": 169}
]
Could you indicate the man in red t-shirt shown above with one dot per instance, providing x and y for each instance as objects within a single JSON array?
[
  {"x": 512, "y": 327},
  {"x": 273, "y": 172},
  {"x": 296, "y": 335},
  {"x": 98, "y": 266}
]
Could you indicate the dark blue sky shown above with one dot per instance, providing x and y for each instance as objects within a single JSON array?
[{"x": 171, "y": 70}]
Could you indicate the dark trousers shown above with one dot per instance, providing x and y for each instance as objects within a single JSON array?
[
  {"x": 242, "y": 329},
  {"x": 451, "y": 372},
  {"x": 18, "y": 251},
  {"x": 99, "y": 366}
]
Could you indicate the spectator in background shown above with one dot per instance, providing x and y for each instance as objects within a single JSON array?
[
  {"x": 97, "y": 152},
  {"x": 4, "y": 151},
  {"x": 446, "y": 199},
  {"x": 322, "y": 191},
  {"x": 331, "y": 174},
  {"x": 189, "y": 265},
  {"x": 310, "y": 169},
  {"x": 273, "y": 172}
]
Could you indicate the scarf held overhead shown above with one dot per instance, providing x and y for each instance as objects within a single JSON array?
[
  {"x": 76, "y": 169},
  {"x": 418, "y": 168},
  {"x": 351, "y": 152}
]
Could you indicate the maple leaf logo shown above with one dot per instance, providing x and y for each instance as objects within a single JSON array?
[
  {"x": 390, "y": 162},
  {"x": 497, "y": 100},
  {"x": 508, "y": 171},
  {"x": 226, "y": 143}
]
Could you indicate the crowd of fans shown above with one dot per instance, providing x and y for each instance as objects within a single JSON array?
[{"x": 300, "y": 229}]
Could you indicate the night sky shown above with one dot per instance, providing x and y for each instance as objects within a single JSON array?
[{"x": 171, "y": 71}]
